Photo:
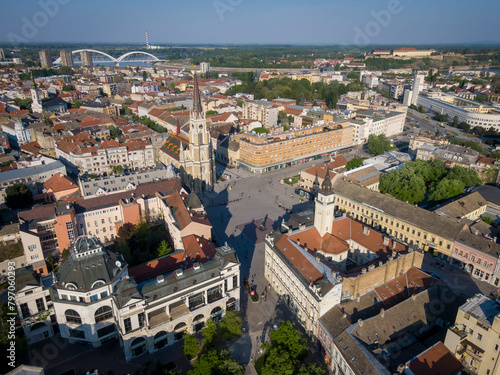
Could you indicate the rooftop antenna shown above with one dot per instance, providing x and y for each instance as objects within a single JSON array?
[{"x": 147, "y": 42}]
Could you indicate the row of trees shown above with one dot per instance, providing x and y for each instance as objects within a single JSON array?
[
  {"x": 420, "y": 179},
  {"x": 299, "y": 90},
  {"x": 149, "y": 123}
]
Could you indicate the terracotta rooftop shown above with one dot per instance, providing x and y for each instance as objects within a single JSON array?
[
  {"x": 300, "y": 262},
  {"x": 59, "y": 182},
  {"x": 437, "y": 360}
]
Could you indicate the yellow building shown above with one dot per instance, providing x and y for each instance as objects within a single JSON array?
[
  {"x": 410, "y": 224},
  {"x": 264, "y": 152}
]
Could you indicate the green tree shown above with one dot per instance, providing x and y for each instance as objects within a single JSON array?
[
  {"x": 127, "y": 110},
  {"x": 20, "y": 343},
  {"x": 239, "y": 103},
  {"x": 289, "y": 339},
  {"x": 231, "y": 323},
  {"x": 469, "y": 177},
  {"x": 446, "y": 189},
  {"x": 76, "y": 104},
  {"x": 23, "y": 103},
  {"x": 216, "y": 363},
  {"x": 455, "y": 121},
  {"x": 191, "y": 347},
  {"x": 50, "y": 260},
  {"x": 116, "y": 169},
  {"x": 311, "y": 369},
  {"x": 437, "y": 170},
  {"x": 65, "y": 253},
  {"x": 144, "y": 75},
  {"x": 354, "y": 163},
  {"x": 172, "y": 87},
  {"x": 18, "y": 196},
  {"x": 209, "y": 333},
  {"x": 163, "y": 249},
  {"x": 353, "y": 75},
  {"x": 282, "y": 117},
  {"x": 126, "y": 231},
  {"x": 114, "y": 132},
  {"x": 278, "y": 361},
  {"x": 208, "y": 113},
  {"x": 68, "y": 88},
  {"x": 377, "y": 145},
  {"x": 403, "y": 184}
]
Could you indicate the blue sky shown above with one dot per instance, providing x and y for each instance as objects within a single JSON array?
[{"x": 330, "y": 22}]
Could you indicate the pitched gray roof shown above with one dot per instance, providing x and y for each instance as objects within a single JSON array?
[{"x": 192, "y": 201}]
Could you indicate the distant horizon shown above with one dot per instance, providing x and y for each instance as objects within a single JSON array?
[
  {"x": 363, "y": 24},
  {"x": 3, "y": 44}
]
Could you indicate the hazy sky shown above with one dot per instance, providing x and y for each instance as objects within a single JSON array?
[{"x": 358, "y": 22}]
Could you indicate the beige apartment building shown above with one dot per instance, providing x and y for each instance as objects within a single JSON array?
[
  {"x": 475, "y": 336},
  {"x": 89, "y": 156},
  {"x": 264, "y": 111}
]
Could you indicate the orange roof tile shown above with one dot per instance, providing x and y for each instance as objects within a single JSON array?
[
  {"x": 300, "y": 262},
  {"x": 59, "y": 182}
]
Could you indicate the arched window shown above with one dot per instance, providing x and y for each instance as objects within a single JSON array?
[
  {"x": 160, "y": 334},
  {"x": 137, "y": 341},
  {"x": 103, "y": 313},
  {"x": 73, "y": 317},
  {"x": 37, "y": 326},
  {"x": 179, "y": 326},
  {"x": 216, "y": 310},
  {"x": 198, "y": 317}
]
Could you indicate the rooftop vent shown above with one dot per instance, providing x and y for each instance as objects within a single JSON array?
[
  {"x": 160, "y": 279},
  {"x": 196, "y": 266},
  {"x": 179, "y": 272}
]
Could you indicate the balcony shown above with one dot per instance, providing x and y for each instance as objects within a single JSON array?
[
  {"x": 39, "y": 317},
  {"x": 460, "y": 333},
  {"x": 214, "y": 297}
]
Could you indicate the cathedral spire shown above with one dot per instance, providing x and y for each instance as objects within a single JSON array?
[
  {"x": 326, "y": 186},
  {"x": 197, "y": 110}
]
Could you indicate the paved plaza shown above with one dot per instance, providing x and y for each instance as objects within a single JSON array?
[{"x": 242, "y": 210}]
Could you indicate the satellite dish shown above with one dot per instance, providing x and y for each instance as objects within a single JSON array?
[{"x": 118, "y": 264}]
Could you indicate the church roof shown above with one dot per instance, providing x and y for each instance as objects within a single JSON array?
[
  {"x": 197, "y": 109},
  {"x": 175, "y": 144}
]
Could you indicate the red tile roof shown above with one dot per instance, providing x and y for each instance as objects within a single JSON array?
[
  {"x": 437, "y": 360},
  {"x": 301, "y": 263},
  {"x": 311, "y": 239},
  {"x": 59, "y": 182}
]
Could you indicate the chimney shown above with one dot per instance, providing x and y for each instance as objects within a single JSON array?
[
  {"x": 360, "y": 323},
  {"x": 178, "y": 128},
  {"x": 317, "y": 259},
  {"x": 382, "y": 312},
  {"x": 298, "y": 242}
]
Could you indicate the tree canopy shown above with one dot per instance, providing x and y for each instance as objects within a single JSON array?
[
  {"x": 377, "y": 145},
  {"x": 18, "y": 196},
  {"x": 403, "y": 184},
  {"x": 215, "y": 363},
  {"x": 354, "y": 163},
  {"x": 411, "y": 182},
  {"x": 114, "y": 132}
]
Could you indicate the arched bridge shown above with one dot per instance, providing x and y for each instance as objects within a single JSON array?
[{"x": 102, "y": 57}]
